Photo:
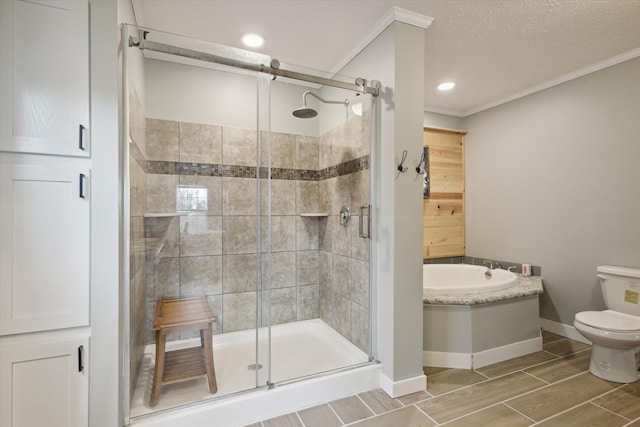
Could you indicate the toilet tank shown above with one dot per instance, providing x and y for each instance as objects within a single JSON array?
[{"x": 620, "y": 288}]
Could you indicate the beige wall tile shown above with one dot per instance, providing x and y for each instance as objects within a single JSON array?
[
  {"x": 239, "y": 146},
  {"x": 308, "y": 302},
  {"x": 161, "y": 193},
  {"x": 200, "y": 143},
  {"x": 307, "y": 267},
  {"x": 239, "y": 235},
  {"x": 307, "y": 197},
  {"x": 307, "y": 152},
  {"x": 200, "y": 235},
  {"x": 200, "y": 275},
  {"x": 282, "y": 200},
  {"x": 213, "y": 184},
  {"x": 307, "y": 233},
  {"x": 239, "y": 196},
  {"x": 239, "y": 273},
  {"x": 283, "y": 151},
  {"x": 283, "y": 269},
  {"x": 162, "y": 140},
  {"x": 239, "y": 311}
]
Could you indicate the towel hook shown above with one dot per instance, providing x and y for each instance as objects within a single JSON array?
[
  {"x": 401, "y": 166},
  {"x": 419, "y": 169}
]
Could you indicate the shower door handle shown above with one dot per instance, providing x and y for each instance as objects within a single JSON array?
[{"x": 365, "y": 232}]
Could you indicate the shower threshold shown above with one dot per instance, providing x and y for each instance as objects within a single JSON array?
[{"x": 298, "y": 349}]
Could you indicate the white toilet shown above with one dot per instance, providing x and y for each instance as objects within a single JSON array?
[{"x": 615, "y": 333}]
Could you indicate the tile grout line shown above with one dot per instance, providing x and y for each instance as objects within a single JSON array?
[
  {"x": 336, "y": 414},
  {"x": 608, "y": 410},
  {"x": 368, "y": 407},
  {"x": 300, "y": 418},
  {"x": 515, "y": 410},
  {"x": 533, "y": 376},
  {"x": 427, "y": 415}
]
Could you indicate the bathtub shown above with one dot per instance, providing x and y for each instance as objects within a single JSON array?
[
  {"x": 464, "y": 279},
  {"x": 471, "y": 321}
]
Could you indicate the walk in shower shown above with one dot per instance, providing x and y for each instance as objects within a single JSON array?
[{"x": 263, "y": 212}]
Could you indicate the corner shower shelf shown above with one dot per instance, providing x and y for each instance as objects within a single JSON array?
[
  {"x": 315, "y": 214},
  {"x": 164, "y": 214}
]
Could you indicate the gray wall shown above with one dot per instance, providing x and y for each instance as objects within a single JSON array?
[
  {"x": 553, "y": 179},
  {"x": 397, "y": 206},
  {"x": 438, "y": 120}
]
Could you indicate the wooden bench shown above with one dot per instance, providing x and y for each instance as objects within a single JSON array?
[{"x": 180, "y": 315}]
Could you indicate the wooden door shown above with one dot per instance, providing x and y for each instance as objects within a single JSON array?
[{"x": 444, "y": 210}]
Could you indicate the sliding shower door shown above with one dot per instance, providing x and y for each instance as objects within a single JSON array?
[
  {"x": 319, "y": 301},
  {"x": 234, "y": 199},
  {"x": 198, "y": 135}
]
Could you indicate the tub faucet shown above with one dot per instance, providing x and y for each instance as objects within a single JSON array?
[
  {"x": 488, "y": 263},
  {"x": 498, "y": 265}
]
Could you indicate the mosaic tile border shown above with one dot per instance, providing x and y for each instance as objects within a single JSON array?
[{"x": 232, "y": 171}]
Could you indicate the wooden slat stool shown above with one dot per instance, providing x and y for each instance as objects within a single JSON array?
[{"x": 178, "y": 315}]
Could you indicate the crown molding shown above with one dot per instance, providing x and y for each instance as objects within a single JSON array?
[
  {"x": 559, "y": 80},
  {"x": 392, "y": 15}
]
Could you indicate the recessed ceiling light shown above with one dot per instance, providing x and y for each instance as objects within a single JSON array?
[
  {"x": 252, "y": 40},
  {"x": 446, "y": 86}
]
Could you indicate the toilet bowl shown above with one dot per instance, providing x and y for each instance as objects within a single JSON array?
[
  {"x": 616, "y": 344},
  {"x": 615, "y": 332}
]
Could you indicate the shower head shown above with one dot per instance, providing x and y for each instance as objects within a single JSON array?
[{"x": 305, "y": 112}]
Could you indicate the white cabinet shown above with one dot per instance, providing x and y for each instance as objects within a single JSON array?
[
  {"x": 44, "y": 384},
  {"x": 44, "y": 78},
  {"x": 44, "y": 247}
]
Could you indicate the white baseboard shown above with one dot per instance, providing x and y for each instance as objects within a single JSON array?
[
  {"x": 403, "y": 387},
  {"x": 567, "y": 331},
  {"x": 482, "y": 358},
  {"x": 506, "y": 352},
  {"x": 447, "y": 360}
]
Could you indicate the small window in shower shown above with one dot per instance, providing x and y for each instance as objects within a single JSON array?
[{"x": 191, "y": 199}]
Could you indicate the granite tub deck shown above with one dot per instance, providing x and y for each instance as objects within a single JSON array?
[
  {"x": 526, "y": 286},
  {"x": 469, "y": 331}
]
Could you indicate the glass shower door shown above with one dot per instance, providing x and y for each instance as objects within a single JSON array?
[
  {"x": 196, "y": 134},
  {"x": 320, "y": 309}
]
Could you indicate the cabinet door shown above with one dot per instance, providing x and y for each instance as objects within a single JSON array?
[
  {"x": 44, "y": 248},
  {"x": 44, "y": 78},
  {"x": 45, "y": 384}
]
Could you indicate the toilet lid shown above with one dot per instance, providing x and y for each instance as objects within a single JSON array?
[{"x": 609, "y": 320}]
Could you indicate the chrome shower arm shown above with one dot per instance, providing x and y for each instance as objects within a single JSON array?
[{"x": 304, "y": 99}]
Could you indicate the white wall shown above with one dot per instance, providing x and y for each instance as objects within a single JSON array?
[
  {"x": 105, "y": 408},
  {"x": 553, "y": 179}
]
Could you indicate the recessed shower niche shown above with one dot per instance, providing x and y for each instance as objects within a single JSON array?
[{"x": 233, "y": 198}]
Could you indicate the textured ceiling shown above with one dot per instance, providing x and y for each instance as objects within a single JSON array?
[{"x": 495, "y": 50}]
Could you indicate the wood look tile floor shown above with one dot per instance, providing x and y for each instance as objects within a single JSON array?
[{"x": 550, "y": 388}]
